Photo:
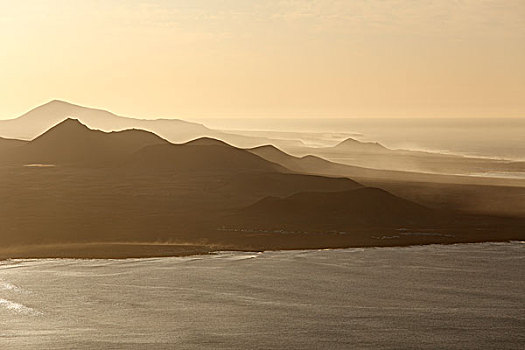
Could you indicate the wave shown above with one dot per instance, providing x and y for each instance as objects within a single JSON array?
[
  {"x": 9, "y": 286},
  {"x": 18, "y": 308},
  {"x": 235, "y": 256}
]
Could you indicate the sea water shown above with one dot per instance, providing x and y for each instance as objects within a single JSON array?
[
  {"x": 468, "y": 296},
  {"x": 479, "y": 137}
]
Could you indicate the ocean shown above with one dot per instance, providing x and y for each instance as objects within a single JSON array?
[
  {"x": 466, "y": 296},
  {"x": 500, "y": 138}
]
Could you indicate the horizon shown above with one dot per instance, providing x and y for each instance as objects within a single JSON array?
[
  {"x": 491, "y": 138},
  {"x": 207, "y": 59}
]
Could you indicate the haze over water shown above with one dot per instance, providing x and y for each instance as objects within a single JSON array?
[
  {"x": 427, "y": 297},
  {"x": 485, "y": 137}
]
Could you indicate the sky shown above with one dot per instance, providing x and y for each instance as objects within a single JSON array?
[{"x": 266, "y": 58}]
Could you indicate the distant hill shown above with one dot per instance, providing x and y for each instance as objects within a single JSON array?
[
  {"x": 40, "y": 119},
  {"x": 373, "y": 155},
  {"x": 316, "y": 165},
  {"x": 363, "y": 207},
  {"x": 73, "y": 142},
  {"x": 194, "y": 157},
  {"x": 207, "y": 141},
  {"x": 134, "y": 186},
  {"x": 352, "y": 145},
  {"x": 273, "y": 154}
]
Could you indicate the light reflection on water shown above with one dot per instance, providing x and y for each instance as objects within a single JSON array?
[{"x": 458, "y": 296}]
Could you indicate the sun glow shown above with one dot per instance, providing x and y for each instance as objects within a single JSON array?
[{"x": 266, "y": 58}]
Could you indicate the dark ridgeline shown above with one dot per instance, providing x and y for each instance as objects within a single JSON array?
[
  {"x": 199, "y": 158},
  {"x": 352, "y": 145},
  {"x": 376, "y": 156},
  {"x": 363, "y": 207},
  {"x": 38, "y": 120},
  {"x": 478, "y": 195},
  {"x": 41, "y": 118},
  {"x": 350, "y": 151},
  {"x": 71, "y": 142},
  {"x": 75, "y": 185}
]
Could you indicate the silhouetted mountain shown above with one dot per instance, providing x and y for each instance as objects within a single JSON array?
[
  {"x": 207, "y": 141},
  {"x": 273, "y": 154},
  {"x": 41, "y": 118},
  {"x": 159, "y": 191},
  {"x": 72, "y": 142},
  {"x": 471, "y": 194},
  {"x": 363, "y": 207},
  {"x": 133, "y": 186},
  {"x": 352, "y": 145},
  {"x": 260, "y": 185},
  {"x": 373, "y": 155},
  {"x": 197, "y": 157},
  {"x": 316, "y": 165}
]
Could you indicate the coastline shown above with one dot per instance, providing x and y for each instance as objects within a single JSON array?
[
  {"x": 144, "y": 250},
  {"x": 106, "y": 250}
]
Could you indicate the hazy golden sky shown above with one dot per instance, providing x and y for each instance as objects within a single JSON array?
[{"x": 289, "y": 58}]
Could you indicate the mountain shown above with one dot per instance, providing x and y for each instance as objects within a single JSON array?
[
  {"x": 273, "y": 154},
  {"x": 73, "y": 142},
  {"x": 311, "y": 164},
  {"x": 373, "y": 155},
  {"x": 39, "y": 119},
  {"x": 315, "y": 165},
  {"x": 133, "y": 186},
  {"x": 352, "y": 145},
  {"x": 193, "y": 157},
  {"x": 207, "y": 141},
  {"x": 467, "y": 193},
  {"x": 363, "y": 207}
]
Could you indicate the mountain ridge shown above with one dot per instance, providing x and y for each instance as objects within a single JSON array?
[
  {"x": 70, "y": 141},
  {"x": 35, "y": 121},
  {"x": 365, "y": 206},
  {"x": 134, "y": 186}
]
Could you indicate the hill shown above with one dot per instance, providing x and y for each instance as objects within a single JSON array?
[
  {"x": 352, "y": 145},
  {"x": 133, "y": 186},
  {"x": 373, "y": 155},
  {"x": 452, "y": 192},
  {"x": 193, "y": 157},
  {"x": 71, "y": 142},
  {"x": 363, "y": 207},
  {"x": 41, "y": 118},
  {"x": 313, "y": 164}
]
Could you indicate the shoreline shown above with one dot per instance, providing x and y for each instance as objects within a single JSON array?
[
  {"x": 120, "y": 251},
  {"x": 104, "y": 250}
]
